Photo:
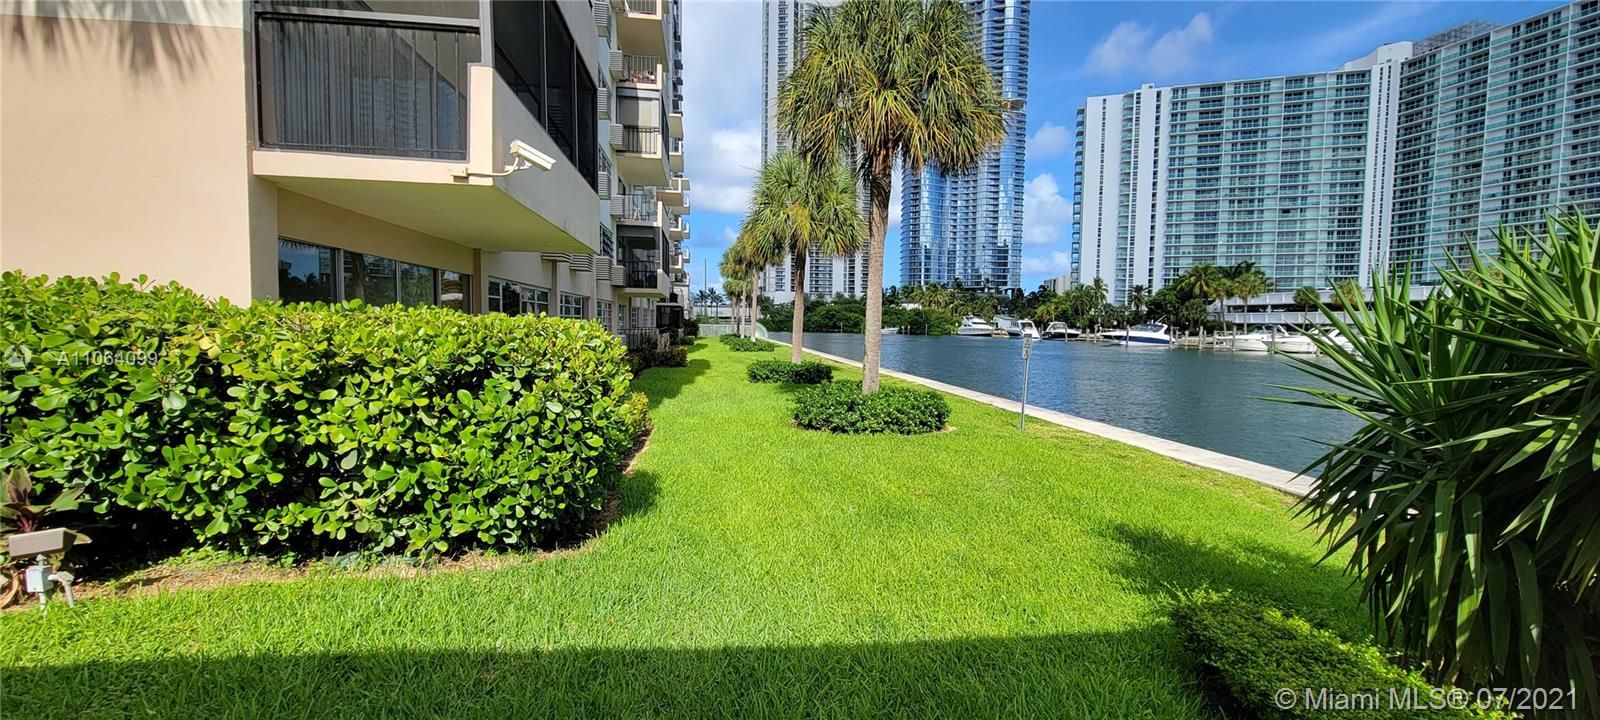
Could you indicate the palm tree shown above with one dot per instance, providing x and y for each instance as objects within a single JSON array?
[
  {"x": 797, "y": 210},
  {"x": 1098, "y": 290},
  {"x": 1246, "y": 286},
  {"x": 1347, "y": 293},
  {"x": 744, "y": 260},
  {"x": 1138, "y": 298},
  {"x": 1203, "y": 281},
  {"x": 888, "y": 79},
  {"x": 1307, "y": 298}
]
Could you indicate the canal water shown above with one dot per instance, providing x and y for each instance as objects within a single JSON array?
[{"x": 1210, "y": 399}]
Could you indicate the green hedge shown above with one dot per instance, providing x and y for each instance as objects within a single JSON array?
[
  {"x": 740, "y": 343},
  {"x": 311, "y": 427},
  {"x": 1250, "y": 655},
  {"x": 809, "y": 372},
  {"x": 842, "y": 408}
]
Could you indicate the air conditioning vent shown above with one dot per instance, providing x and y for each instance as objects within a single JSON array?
[
  {"x": 602, "y": 102},
  {"x": 617, "y": 136},
  {"x": 602, "y": 18},
  {"x": 604, "y": 180},
  {"x": 617, "y": 66}
]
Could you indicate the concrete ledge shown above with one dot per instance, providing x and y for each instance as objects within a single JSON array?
[{"x": 1275, "y": 478}]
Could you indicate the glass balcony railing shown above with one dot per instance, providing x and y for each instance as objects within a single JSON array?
[
  {"x": 641, "y": 207},
  {"x": 346, "y": 85}
]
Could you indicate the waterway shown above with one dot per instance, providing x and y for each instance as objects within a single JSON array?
[{"x": 1210, "y": 399}]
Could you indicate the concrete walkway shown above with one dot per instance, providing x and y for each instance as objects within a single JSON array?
[{"x": 1278, "y": 479}]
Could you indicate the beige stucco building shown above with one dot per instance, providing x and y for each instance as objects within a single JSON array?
[{"x": 342, "y": 149}]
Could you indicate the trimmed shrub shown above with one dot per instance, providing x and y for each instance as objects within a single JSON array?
[
  {"x": 691, "y": 327},
  {"x": 809, "y": 372},
  {"x": 740, "y": 343},
  {"x": 675, "y": 356},
  {"x": 842, "y": 408},
  {"x": 310, "y": 428},
  {"x": 1248, "y": 655}
]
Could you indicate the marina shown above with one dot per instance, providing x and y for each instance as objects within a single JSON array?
[{"x": 1211, "y": 399}]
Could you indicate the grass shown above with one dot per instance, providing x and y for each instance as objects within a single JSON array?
[{"x": 757, "y": 570}]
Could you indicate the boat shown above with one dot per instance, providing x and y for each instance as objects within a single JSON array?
[
  {"x": 975, "y": 326},
  {"x": 1009, "y": 325},
  {"x": 1259, "y": 340},
  {"x": 1293, "y": 344},
  {"x": 1334, "y": 336},
  {"x": 1028, "y": 330},
  {"x": 1143, "y": 335},
  {"x": 1055, "y": 331}
]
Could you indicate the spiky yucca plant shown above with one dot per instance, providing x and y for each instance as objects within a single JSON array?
[{"x": 1470, "y": 497}]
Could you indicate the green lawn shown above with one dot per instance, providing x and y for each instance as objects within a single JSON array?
[{"x": 758, "y": 570}]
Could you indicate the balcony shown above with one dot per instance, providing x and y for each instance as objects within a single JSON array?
[
  {"x": 641, "y": 155},
  {"x": 642, "y": 71},
  {"x": 675, "y": 159},
  {"x": 640, "y": 26},
  {"x": 679, "y": 229},
  {"x": 675, "y": 194},
  {"x": 638, "y": 208},
  {"x": 643, "y": 277},
  {"x": 399, "y": 121}
]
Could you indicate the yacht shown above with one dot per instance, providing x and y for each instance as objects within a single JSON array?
[
  {"x": 1008, "y": 324},
  {"x": 1028, "y": 329},
  {"x": 1259, "y": 340},
  {"x": 974, "y": 325},
  {"x": 1148, "y": 335},
  {"x": 1293, "y": 344},
  {"x": 1055, "y": 331}
]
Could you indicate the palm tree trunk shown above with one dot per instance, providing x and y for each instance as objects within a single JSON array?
[
  {"x": 877, "y": 225},
  {"x": 753, "y": 295},
  {"x": 797, "y": 327}
]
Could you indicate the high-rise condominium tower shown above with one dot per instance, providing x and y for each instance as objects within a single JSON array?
[
  {"x": 782, "y": 26},
  {"x": 1393, "y": 161},
  {"x": 967, "y": 226}
]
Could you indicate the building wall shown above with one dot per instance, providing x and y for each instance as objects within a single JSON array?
[{"x": 126, "y": 183}]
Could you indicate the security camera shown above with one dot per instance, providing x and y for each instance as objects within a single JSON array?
[{"x": 527, "y": 156}]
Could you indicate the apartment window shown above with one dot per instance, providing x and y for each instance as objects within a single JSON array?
[
  {"x": 513, "y": 298},
  {"x": 537, "y": 57},
  {"x": 602, "y": 313},
  {"x": 306, "y": 273},
  {"x": 574, "y": 306}
]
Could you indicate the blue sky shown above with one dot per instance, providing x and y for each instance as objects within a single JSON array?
[{"x": 1078, "y": 49}]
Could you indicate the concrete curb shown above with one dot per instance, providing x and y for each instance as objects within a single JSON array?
[{"x": 1275, "y": 478}]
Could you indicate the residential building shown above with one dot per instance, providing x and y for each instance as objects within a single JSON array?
[
  {"x": 782, "y": 42},
  {"x": 966, "y": 226},
  {"x": 1497, "y": 126},
  {"x": 1267, "y": 170},
  {"x": 1397, "y": 160},
  {"x": 422, "y": 153}
]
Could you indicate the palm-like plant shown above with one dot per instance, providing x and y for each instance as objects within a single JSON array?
[
  {"x": 1307, "y": 298},
  {"x": 1468, "y": 498},
  {"x": 1246, "y": 286},
  {"x": 1204, "y": 281},
  {"x": 798, "y": 209},
  {"x": 1347, "y": 292},
  {"x": 886, "y": 80},
  {"x": 1138, "y": 298}
]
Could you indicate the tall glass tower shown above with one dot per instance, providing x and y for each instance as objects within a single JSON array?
[{"x": 967, "y": 227}]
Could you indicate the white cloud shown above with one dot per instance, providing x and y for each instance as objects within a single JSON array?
[
  {"x": 1058, "y": 263},
  {"x": 1048, "y": 141},
  {"x": 721, "y": 180},
  {"x": 1128, "y": 48},
  {"x": 722, "y": 103},
  {"x": 894, "y": 203},
  {"x": 1044, "y": 211},
  {"x": 1348, "y": 41}
]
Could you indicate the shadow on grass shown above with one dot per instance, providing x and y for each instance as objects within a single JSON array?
[
  {"x": 1160, "y": 563},
  {"x": 662, "y": 383},
  {"x": 639, "y": 490},
  {"x": 1089, "y": 675}
]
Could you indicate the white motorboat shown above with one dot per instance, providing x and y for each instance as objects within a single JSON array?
[
  {"x": 1028, "y": 330},
  {"x": 1258, "y": 340},
  {"x": 1294, "y": 344},
  {"x": 974, "y": 325},
  {"x": 1337, "y": 338},
  {"x": 1145, "y": 335},
  {"x": 1059, "y": 331},
  {"x": 1008, "y": 324}
]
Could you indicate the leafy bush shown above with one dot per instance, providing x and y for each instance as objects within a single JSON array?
[
  {"x": 675, "y": 356},
  {"x": 743, "y": 344},
  {"x": 809, "y": 372},
  {"x": 1249, "y": 654},
  {"x": 842, "y": 408},
  {"x": 691, "y": 327},
  {"x": 309, "y": 427},
  {"x": 1467, "y": 500}
]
